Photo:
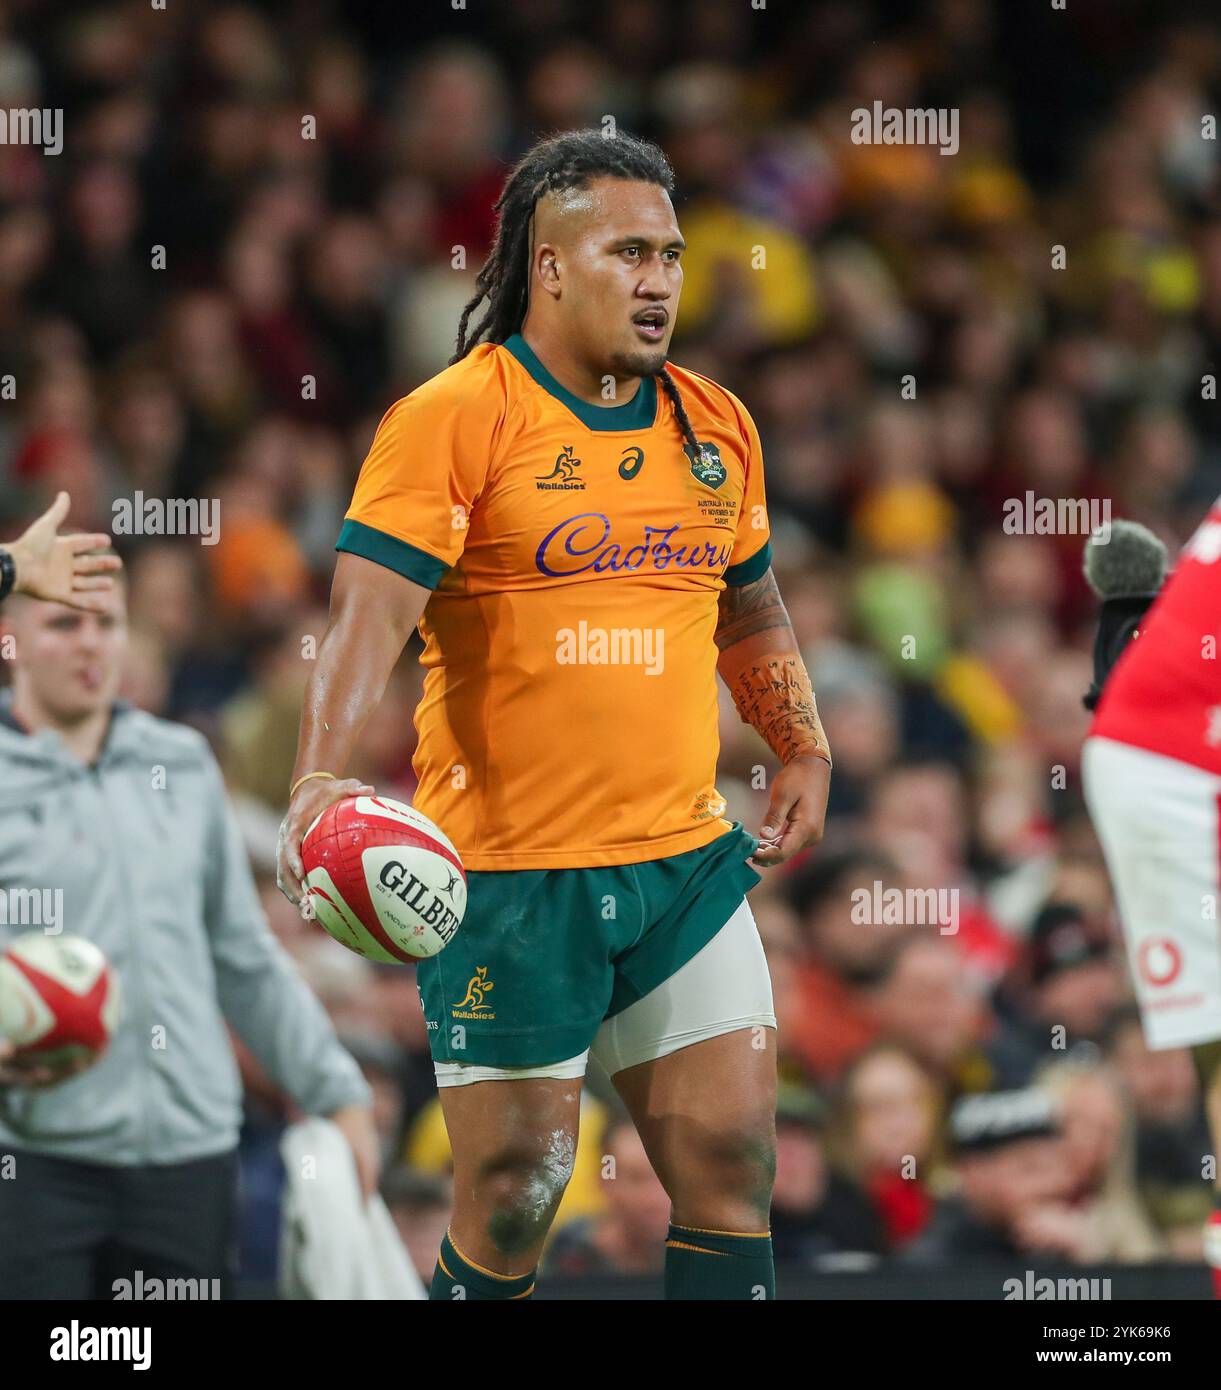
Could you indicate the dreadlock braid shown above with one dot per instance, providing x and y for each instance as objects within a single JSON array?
[
  {"x": 551, "y": 166},
  {"x": 670, "y": 387}
]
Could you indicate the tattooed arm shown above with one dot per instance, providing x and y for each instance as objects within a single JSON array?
[
  {"x": 746, "y": 610},
  {"x": 760, "y": 663}
]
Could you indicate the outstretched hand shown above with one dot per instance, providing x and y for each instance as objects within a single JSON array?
[{"x": 64, "y": 569}]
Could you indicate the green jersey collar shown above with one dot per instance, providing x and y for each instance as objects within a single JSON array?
[{"x": 639, "y": 413}]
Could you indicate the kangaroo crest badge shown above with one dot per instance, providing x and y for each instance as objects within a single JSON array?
[{"x": 706, "y": 465}]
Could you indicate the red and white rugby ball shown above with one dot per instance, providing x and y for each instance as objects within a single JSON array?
[
  {"x": 59, "y": 998},
  {"x": 383, "y": 880}
]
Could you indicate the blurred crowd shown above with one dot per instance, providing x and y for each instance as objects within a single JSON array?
[{"x": 260, "y": 233}]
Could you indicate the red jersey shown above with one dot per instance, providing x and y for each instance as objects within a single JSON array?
[{"x": 1164, "y": 694}]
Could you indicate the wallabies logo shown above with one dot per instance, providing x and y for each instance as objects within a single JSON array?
[
  {"x": 563, "y": 477},
  {"x": 474, "y": 1001},
  {"x": 706, "y": 465}
]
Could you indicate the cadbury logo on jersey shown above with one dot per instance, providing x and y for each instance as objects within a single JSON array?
[{"x": 583, "y": 545}]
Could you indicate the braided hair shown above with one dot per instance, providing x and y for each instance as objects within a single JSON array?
[{"x": 561, "y": 162}]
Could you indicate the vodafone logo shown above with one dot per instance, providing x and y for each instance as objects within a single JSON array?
[{"x": 1160, "y": 961}]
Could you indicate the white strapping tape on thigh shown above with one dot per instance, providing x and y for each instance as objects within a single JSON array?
[{"x": 466, "y": 1073}]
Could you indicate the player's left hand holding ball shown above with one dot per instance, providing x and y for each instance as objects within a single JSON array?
[
  {"x": 305, "y": 806},
  {"x": 798, "y": 810}
]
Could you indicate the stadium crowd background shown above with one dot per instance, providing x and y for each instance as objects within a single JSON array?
[{"x": 312, "y": 276}]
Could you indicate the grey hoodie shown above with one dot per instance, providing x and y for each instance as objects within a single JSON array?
[{"x": 147, "y": 853}]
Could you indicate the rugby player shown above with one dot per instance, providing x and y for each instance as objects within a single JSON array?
[
  {"x": 580, "y": 530},
  {"x": 1152, "y": 774}
]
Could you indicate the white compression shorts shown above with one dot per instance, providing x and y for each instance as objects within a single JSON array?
[
  {"x": 721, "y": 989},
  {"x": 1158, "y": 821}
]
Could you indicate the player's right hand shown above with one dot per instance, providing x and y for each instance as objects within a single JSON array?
[{"x": 312, "y": 798}]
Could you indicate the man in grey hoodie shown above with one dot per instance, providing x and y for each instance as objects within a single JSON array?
[{"x": 121, "y": 821}]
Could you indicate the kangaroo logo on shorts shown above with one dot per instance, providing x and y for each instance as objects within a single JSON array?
[{"x": 474, "y": 1003}]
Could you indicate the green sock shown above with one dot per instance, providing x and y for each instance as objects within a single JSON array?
[
  {"x": 456, "y": 1278},
  {"x": 719, "y": 1264}
]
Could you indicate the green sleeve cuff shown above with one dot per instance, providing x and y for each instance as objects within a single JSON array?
[
  {"x": 749, "y": 570},
  {"x": 414, "y": 564}
]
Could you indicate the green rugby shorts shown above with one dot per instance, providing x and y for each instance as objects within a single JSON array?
[{"x": 544, "y": 955}]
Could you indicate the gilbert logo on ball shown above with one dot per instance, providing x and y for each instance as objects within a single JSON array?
[
  {"x": 59, "y": 998},
  {"x": 383, "y": 880}
]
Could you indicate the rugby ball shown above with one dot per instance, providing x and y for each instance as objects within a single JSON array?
[
  {"x": 59, "y": 998},
  {"x": 382, "y": 879}
]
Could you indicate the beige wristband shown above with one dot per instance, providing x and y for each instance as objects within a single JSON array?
[{"x": 292, "y": 791}]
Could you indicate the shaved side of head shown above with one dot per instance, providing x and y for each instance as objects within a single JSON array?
[{"x": 562, "y": 219}]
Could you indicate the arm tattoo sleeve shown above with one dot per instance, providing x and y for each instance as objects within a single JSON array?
[
  {"x": 772, "y": 691},
  {"x": 773, "y": 694},
  {"x": 749, "y": 608}
]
